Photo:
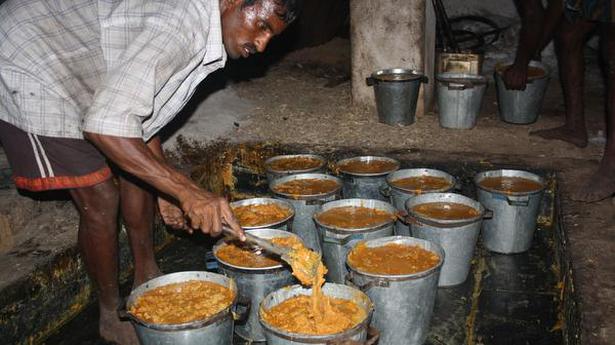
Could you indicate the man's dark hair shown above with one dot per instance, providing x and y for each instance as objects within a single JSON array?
[{"x": 287, "y": 10}]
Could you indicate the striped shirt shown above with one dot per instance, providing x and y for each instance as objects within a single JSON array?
[{"x": 114, "y": 67}]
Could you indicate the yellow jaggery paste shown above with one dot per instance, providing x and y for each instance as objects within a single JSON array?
[
  {"x": 367, "y": 167},
  {"x": 354, "y": 217},
  {"x": 294, "y": 163},
  {"x": 257, "y": 215},
  {"x": 445, "y": 211},
  {"x": 182, "y": 302},
  {"x": 422, "y": 184},
  {"x": 511, "y": 184},
  {"x": 306, "y": 187},
  {"x": 242, "y": 255},
  {"x": 392, "y": 259}
]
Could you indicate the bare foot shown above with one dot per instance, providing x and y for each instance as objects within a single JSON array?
[
  {"x": 147, "y": 274},
  {"x": 575, "y": 137},
  {"x": 599, "y": 186},
  {"x": 113, "y": 330}
]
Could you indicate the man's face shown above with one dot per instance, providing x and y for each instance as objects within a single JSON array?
[{"x": 249, "y": 29}]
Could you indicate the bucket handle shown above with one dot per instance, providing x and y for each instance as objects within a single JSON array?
[
  {"x": 241, "y": 309},
  {"x": 370, "y": 81},
  {"x": 385, "y": 190},
  {"x": 424, "y": 79},
  {"x": 373, "y": 334},
  {"x": 410, "y": 219},
  {"x": 518, "y": 201},
  {"x": 315, "y": 202},
  {"x": 343, "y": 241},
  {"x": 349, "y": 280}
]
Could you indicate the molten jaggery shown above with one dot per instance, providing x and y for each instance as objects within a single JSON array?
[
  {"x": 261, "y": 214},
  {"x": 238, "y": 254},
  {"x": 308, "y": 186},
  {"x": 511, "y": 184},
  {"x": 445, "y": 211},
  {"x": 367, "y": 167},
  {"x": 422, "y": 184},
  {"x": 354, "y": 217},
  {"x": 294, "y": 163},
  {"x": 182, "y": 302},
  {"x": 392, "y": 259}
]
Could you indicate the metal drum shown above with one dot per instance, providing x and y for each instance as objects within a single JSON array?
[
  {"x": 284, "y": 224},
  {"x": 511, "y": 229},
  {"x": 403, "y": 303},
  {"x": 256, "y": 283},
  {"x": 273, "y": 174},
  {"x": 305, "y": 206},
  {"x": 365, "y": 185},
  {"x": 457, "y": 237},
  {"x": 396, "y": 91},
  {"x": 215, "y": 330},
  {"x": 358, "y": 333},
  {"x": 459, "y": 99},
  {"x": 337, "y": 241},
  {"x": 399, "y": 196}
]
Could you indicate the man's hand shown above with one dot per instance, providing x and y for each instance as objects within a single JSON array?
[
  {"x": 515, "y": 77},
  {"x": 172, "y": 215},
  {"x": 209, "y": 212}
]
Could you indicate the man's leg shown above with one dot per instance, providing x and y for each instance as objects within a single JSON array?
[
  {"x": 98, "y": 229},
  {"x": 137, "y": 205},
  {"x": 570, "y": 42},
  {"x": 602, "y": 184}
]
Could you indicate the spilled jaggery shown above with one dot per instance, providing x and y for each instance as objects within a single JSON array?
[
  {"x": 367, "y": 167},
  {"x": 422, "y": 184},
  {"x": 510, "y": 184},
  {"x": 261, "y": 214},
  {"x": 445, "y": 211},
  {"x": 177, "y": 303},
  {"x": 392, "y": 259},
  {"x": 242, "y": 255},
  {"x": 354, "y": 217},
  {"x": 307, "y": 186},
  {"x": 294, "y": 164}
]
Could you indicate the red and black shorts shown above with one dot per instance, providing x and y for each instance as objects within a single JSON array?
[{"x": 42, "y": 163}]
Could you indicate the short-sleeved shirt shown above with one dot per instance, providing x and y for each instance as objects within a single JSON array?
[{"x": 114, "y": 67}]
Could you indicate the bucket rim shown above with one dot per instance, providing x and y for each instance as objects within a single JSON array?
[
  {"x": 255, "y": 270},
  {"x": 317, "y": 339},
  {"x": 412, "y": 74},
  {"x": 264, "y": 201},
  {"x": 367, "y": 158},
  {"x": 193, "y": 275},
  {"x": 348, "y": 231},
  {"x": 498, "y": 172},
  {"x": 306, "y": 176},
  {"x": 422, "y": 172},
  {"x": 268, "y": 162},
  {"x": 400, "y": 240},
  {"x": 416, "y": 200}
]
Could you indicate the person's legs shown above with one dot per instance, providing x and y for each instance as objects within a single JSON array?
[
  {"x": 570, "y": 42},
  {"x": 137, "y": 207},
  {"x": 602, "y": 184},
  {"x": 98, "y": 235}
]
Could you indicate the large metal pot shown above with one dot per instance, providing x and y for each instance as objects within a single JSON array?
[
  {"x": 364, "y": 185},
  {"x": 284, "y": 224},
  {"x": 274, "y": 174}
]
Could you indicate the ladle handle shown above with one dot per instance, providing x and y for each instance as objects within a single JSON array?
[{"x": 261, "y": 242}]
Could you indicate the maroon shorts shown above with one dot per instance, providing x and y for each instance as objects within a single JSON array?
[{"x": 42, "y": 163}]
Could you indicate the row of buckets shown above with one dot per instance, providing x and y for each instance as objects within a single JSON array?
[
  {"x": 399, "y": 307},
  {"x": 459, "y": 97}
]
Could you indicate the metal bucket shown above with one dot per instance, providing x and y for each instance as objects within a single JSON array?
[
  {"x": 305, "y": 206},
  {"x": 403, "y": 303},
  {"x": 457, "y": 237},
  {"x": 364, "y": 185},
  {"x": 459, "y": 99},
  {"x": 274, "y": 174},
  {"x": 256, "y": 283},
  {"x": 514, "y": 214},
  {"x": 522, "y": 106},
  {"x": 285, "y": 224},
  {"x": 336, "y": 242},
  {"x": 216, "y": 330},
  {"x": 397, "y": 93},
  {"x": 399, "y": 196},
  {"x": 357, "y": 334}
]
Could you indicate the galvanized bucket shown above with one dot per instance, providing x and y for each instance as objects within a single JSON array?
[
  {"x": 397, "y": 93},
  {"x": 403, "y": 303},
  {"x": 216, "y": 330},
  {"x": 459, "y": 99},
  {"x": 457, "y": 237},
  {"x": 365, "y": 185},
  {"x": 514, "y": 214},
  {"x": 336, "y": 241},
  {"x": 305, "y": 206},
  {"x": 255, "y": 283},
  {"x": 355, "y": 335},
  {"x": 399, "y": 196},
  {"x": 284, "y": 224},
  {"x": 522, "y": 106},
  {"x": 274, "y": 174}
]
